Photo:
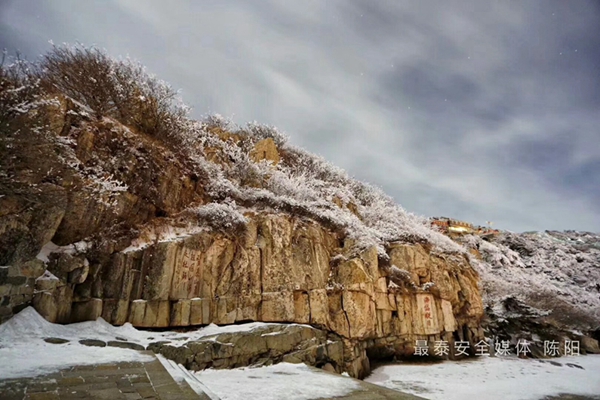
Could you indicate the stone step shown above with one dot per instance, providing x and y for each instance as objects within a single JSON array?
[
  {"x": 189, "y": 382},
  {"x": 166, "y": 387}
]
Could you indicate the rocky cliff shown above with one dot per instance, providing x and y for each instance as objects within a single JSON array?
[
  {"x": 279, "y": 270},
  {"x": 188, "y": 223}
]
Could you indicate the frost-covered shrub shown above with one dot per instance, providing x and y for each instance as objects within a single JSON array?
[
  {"x": 19, "y": 91},
  {"x": 218, "y": 122},
  {"x": 217, "y": 153},
  {"x": 283, "y": 182},
  {"x": 221, "y": 216},
  {"x": 86, "y": 75},
  {"x": 260, "y": 132},
  {"x": 498, "y": 255},
  {"x": 28, "y": 149},
  {"x": 471, "y": 241},
  {"x": 122, "y": 89},
  {"x": 314, "y": 166},
  {"x": 368, "y": 216}
]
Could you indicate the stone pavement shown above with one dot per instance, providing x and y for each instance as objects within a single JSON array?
[
  {"x": 135, "y": 381},
  {"x": 117, "y": 381},
  {"x": 369, "y": 391}
]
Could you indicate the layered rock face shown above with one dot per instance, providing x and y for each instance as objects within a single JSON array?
[
  {"x": 280, "y": 269},
  {"x": 17, "y": 285},
  {"x": 265, "y": 345}
]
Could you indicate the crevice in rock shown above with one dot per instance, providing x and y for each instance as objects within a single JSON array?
[
  {"x": 346, "y": 315},
  {"x": 380, "y": 355},
  {"x": 262, "y": 270}
]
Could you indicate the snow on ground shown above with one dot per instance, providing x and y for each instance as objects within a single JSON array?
[
  {"x": 39, "y": 358},
  {"x": 490, "y": 378},
  {"x": 275, "y": 382},
  {"x": 28, "y": 324},
  {"x": 23, "y": 352}
]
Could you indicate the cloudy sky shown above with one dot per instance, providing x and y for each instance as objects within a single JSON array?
[{"x": 482, "y": 111}]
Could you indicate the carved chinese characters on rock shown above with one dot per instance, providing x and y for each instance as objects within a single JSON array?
[
  {"x": 188, "y": 275},
  {"x": 427, "y": 311},
  {"x": 428, "y": 317}
]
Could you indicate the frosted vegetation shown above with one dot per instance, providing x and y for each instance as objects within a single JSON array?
[
  {"x": 557, "y": 272},
  {"x": 214, "y": 149},
  {"x": 302, "y": 184}
]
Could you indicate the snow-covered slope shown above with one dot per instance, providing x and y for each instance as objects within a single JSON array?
[{"x": 554, "y": 271}]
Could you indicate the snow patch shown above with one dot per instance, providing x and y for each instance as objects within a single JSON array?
[
  {"x": 275, "y": 382},
  {"x": 47, "y": 276},
  {"x": 23, "y": 353},
  {"x": 162, "y": 234},
  {"x": 50, "y": 248},
  {"x": 47, "y": 249},
  {"x": 491, "y": 378}
]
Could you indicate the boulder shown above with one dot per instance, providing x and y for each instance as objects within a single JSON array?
[
  {"x": 589, "y": 344},
  {"x": 273, "y": 342}
]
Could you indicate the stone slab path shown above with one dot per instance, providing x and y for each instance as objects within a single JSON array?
[
  {"x": 369, "y": 391},
  {"x": 117, "y": 381},
  {"x": 136, "y": 381}
]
